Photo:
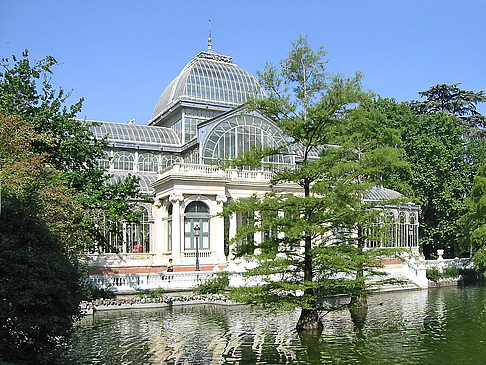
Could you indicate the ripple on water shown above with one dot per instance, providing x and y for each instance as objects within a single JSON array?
[{"x": 425, "y": 326}]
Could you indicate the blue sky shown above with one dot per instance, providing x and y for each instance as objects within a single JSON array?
[{"x": 120, "y": 55}]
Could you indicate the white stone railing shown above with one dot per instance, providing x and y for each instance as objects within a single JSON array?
[
  {"x": 216, "y": 171},
  {"x": 416, "y": 271},
  {"x": 193, "y": 253},
  {"x": 164, "y": 280}
]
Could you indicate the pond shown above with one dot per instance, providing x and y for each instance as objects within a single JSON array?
[{"x": 434, "y": 326}]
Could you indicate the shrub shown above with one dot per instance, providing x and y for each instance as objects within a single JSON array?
[
  {"x": 451, "y": 272},
  {"x": 433, "y": 274},
  {"x": 215, "y": 284},
  {"x": 152, "y": 293}
]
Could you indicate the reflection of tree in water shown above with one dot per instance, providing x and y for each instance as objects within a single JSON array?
[{"x": 415, "y": 323}]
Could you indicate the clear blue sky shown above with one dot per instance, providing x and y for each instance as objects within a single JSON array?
[{"x": 120, "y": 55}]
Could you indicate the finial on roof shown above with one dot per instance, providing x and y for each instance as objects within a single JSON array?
[{"x": 210, "y": 40}]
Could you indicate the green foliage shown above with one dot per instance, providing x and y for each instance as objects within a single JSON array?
[
  {"x": 217, "y": 283},
  {"x": 39, "y": 287},
  {"x": 455, "y": 101},
  {"x": 435, "y": 274},
  {"x": 153, "y": 293},
  {"x": 441, "y": 168},
  {"x": 68, "y": 146},
  {"x": 90, "y": 291},
  {"x": 473, "y": 222},
  {"x": 342, "y": 150}
]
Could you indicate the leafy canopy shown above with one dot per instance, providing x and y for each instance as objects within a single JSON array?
[{"x": 340, "y": 150}]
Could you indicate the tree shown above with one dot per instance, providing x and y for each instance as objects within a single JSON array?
[
  {"x": 39, "y": 283},
  {"x": 453, "y": 100},
  {"x": 300, "y": 261},
  {"x": 473, "y": 222},
  {"x": 442, "y": 167},
  {"x": 68, "y": 145}
]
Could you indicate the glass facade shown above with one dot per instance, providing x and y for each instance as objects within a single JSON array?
[
  {"x": 127, "y": 237},
  {"x": 123, "y": 160},
  {"x": 240, "y": 134},
  {"x": 147, "y": 162}
]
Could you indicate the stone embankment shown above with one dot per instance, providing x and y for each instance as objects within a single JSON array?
[{"x": 157, "y": 302}]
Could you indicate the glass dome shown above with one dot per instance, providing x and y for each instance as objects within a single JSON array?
[
  {"x": 210, "y": 78},
  {"x": 128, "y": 132}
]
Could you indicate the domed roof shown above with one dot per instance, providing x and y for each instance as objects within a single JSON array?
[{"x": 210, "y": 78}]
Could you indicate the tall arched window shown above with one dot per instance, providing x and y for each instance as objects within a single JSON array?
[
  {"x": 240, "y": 134},
  {"x": 402, "y": 230},
  {"x": 123, "y": 161},
  {"x": 196, "y": 213},
  {"x": 147, "y": 162},
  {"x": 125, "y": 237},
  {"x": 413, "y": 230},
  {"x": 169, "y": 228}
]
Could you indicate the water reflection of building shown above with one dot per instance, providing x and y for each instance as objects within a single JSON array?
[{"x": 197, "y": 121}]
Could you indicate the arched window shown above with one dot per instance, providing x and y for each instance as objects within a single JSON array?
[
  {"x": 169, "y": 228},
  {"x": 168, "y": 161},
  {"x": 196, "y": 213},
  {"x": 413, "y": 230},
  {"x": 402, "y": 230},
  {"x": 123, "y": 161},
  {"x": 240, "y": 134},
  {"x": 104, "y": 162},
  {"x": 147, "y": 162}
]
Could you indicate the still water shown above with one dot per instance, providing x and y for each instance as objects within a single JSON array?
[{"x": 435, "y": 326}]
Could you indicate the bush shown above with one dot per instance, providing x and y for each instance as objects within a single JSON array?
[
  {"x": 152, "y": 293},
  {"x": 215, "y": 284},
  {"x": 451, "y": 272},
  {"x": 39, "y": 289},
  {"x": 91, "y": 292},
  {"x": 434, "y": 274}
]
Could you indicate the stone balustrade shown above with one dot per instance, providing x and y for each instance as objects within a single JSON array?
[
  {"x": 166, "y": 280},
  {"x": 216, "y": 171}
]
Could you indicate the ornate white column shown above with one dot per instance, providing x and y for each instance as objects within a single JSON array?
[
  {"x": 176, "y": 199},
  {"x": 217, "y": 228}
]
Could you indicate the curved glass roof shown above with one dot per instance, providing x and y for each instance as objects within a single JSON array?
[
  {"x": 379, "y": 193},
  {"x": 133, "y": 133},
  {"x": 210, "y": 77},
  {"x": 145, "y": 180},
  {"x": 240, "y": 133}
]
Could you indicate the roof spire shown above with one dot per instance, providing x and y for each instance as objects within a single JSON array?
[{"x": 210, "y": 40}]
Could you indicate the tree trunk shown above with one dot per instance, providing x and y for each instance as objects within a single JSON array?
[
  {"x": 358, "y": 310},
  {"x": 309, "y": 320}
]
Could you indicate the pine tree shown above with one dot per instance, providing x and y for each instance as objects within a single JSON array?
[{"x": 312, "y": 244}]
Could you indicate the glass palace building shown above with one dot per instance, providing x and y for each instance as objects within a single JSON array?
[{"x": 198, "y": 120}]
